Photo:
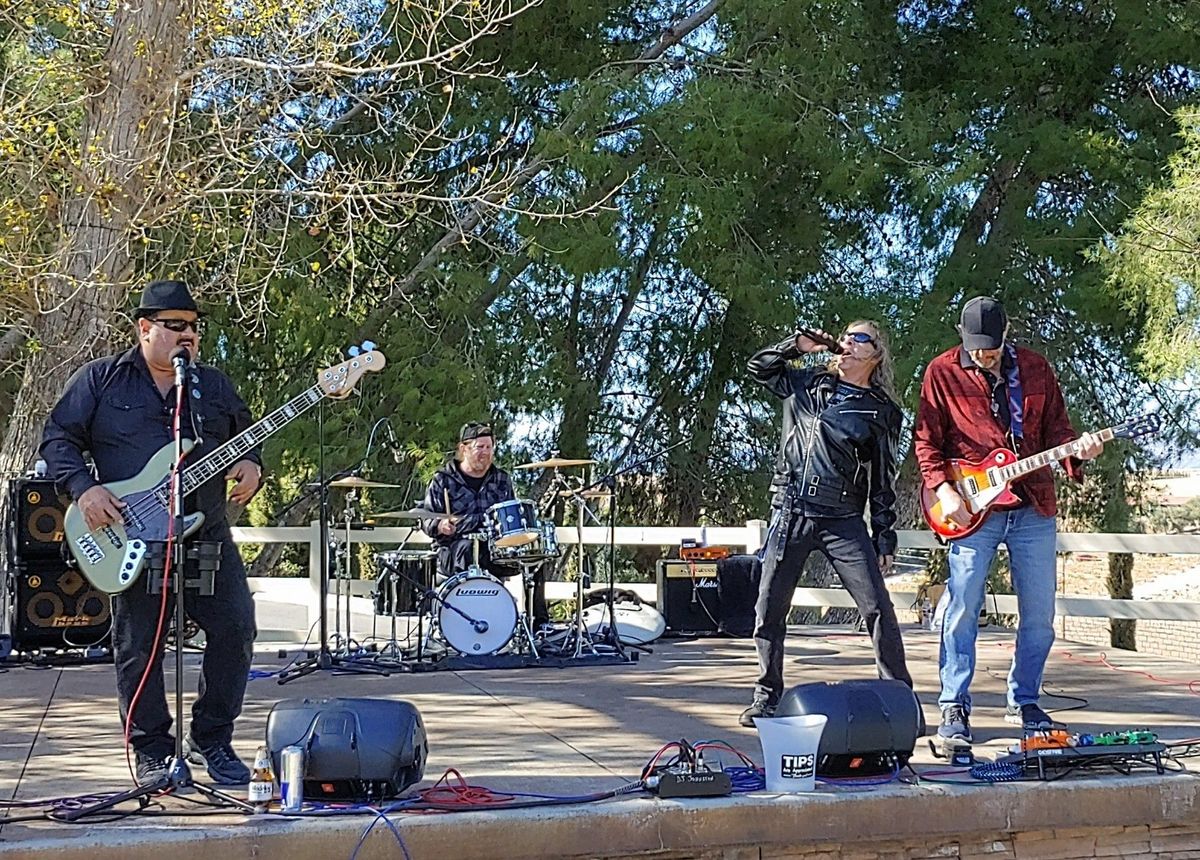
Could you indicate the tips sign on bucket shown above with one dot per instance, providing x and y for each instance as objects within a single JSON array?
[{"x": 790, "y": 747}]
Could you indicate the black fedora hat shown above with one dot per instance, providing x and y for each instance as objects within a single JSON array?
[{"x": 165, "y": 296}]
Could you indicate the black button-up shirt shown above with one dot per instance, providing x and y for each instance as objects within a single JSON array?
[{"x": 112, "y": 409}]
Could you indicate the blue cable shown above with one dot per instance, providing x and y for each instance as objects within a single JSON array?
[
  {"x": 380, "y": 814},
  {"x": 746, "y": 779}
]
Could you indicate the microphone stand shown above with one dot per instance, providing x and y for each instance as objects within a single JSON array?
[
  {"x": 609, "y": 482},
  {"x": 325, "y": 659},
  {"x": 178, "y": 773}
]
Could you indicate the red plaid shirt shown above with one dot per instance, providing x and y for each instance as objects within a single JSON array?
[{"x": 955, "y": 421}]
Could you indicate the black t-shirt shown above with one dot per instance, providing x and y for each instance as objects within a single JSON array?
[{"x": 476, "y": 484}]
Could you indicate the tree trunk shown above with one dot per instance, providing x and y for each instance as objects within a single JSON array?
[
  {"x": 1122, "y": 631},
  {"x": 122, "y": 143}
]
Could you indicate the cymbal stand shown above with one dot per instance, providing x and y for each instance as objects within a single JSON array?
[
  {"x": 344, "y": 574},
  {"x": 324, "y": 658},
  {"x": 609, "y": 481}
]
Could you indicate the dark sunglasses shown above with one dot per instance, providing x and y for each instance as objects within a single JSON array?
[
  {"x": 179, "y": 326},
  {"x": 859, "y": 337}
]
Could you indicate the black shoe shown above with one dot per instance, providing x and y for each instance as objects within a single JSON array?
[
  {"x": 150, "y": 768},
  {"x": 956, "y": 724},
  {"x": 758, "y": 709},
  {"x": 222, "y": 762},
  {"x": 1031, "y": 718}
]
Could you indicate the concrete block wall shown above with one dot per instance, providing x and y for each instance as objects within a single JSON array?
[
  {"x": 1077, "y": 843},
  {"x": 1179, "y": 640}
]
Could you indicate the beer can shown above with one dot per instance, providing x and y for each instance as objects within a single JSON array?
[{"x": 291, "y": 778}]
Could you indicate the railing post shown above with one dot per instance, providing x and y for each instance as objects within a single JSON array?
[
  {"x": 756, "y": 535},
  {"x": 313, "y": 604}
]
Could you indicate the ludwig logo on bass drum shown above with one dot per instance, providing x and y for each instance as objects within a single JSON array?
[{"x": 477, "y": 592}]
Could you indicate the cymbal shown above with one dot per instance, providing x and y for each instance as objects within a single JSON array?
[
  {"x": 355, "y": 481},
  {"x": 556, "y": 463},
  {"x": 415, "y": 514},
  {"x": 587, "y": 494}
]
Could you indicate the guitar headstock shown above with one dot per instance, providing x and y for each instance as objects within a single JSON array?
[
  {"x": 1142, "y": 425},
  {"x": 338, "y": 381}
]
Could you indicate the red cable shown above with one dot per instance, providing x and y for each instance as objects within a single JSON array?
[
  {"x": 1192, "y": 686},
  {"x": 461, "y": 794}
]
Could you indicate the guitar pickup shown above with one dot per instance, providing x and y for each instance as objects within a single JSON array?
[{"x": 972, "y": 486}]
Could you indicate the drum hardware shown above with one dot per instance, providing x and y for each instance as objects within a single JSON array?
[
  {"x": 387, "y": 595},
  {"x": 581, "y": 636}
]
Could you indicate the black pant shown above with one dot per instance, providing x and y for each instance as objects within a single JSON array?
[
  {"x": 227, "y": 619},
  {"x": 458, "y": 555},
  {"x": 848, "y": 547}
]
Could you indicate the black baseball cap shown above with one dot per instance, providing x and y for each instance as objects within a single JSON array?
[
  {"x": 983, "y": 323},
  {"x": 165, "y": 296},
  {"x": 474, "y": 430}
]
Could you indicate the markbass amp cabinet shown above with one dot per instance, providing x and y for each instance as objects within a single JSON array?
[
  {"x": 35, "y": 512},
  {"x": 689, "y": 596},
  {"x": 54, "y": 606}
]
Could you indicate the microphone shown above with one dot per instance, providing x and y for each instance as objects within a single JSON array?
[
  {"x": 394, "y": 444},
  {"x": 823, "y": 340},
  {"x": 181, "y": 358}
]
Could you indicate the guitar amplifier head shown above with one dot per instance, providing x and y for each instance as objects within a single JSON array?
[{"x": 689, "y": 595}]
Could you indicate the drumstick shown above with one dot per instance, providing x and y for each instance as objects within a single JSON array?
[{"x": 446, "y": 496}]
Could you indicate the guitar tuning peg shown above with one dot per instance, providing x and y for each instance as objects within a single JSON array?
[
  {"x": 368, "y": 345},
  {"x": 352, "y": 351}
]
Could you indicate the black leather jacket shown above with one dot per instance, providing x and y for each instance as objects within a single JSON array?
[
  {"x": 464, "y": 502},
  {"x": 833, "y": 460}
]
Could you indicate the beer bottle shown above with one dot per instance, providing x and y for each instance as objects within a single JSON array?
[{"x": 262, "y": 784}]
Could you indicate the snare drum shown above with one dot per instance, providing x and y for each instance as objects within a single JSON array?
[
  {"x": 490, "y": 613},
  {"x": 544, "y": 546},
  {"x": 412, "y": 567},
  {"x": 511, "y": 523}
]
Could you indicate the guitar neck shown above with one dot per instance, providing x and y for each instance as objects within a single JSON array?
[
  {"x": 1036, "y": 461},
  {"x": 218, "y": 462}
]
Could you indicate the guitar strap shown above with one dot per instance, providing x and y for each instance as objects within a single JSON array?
[{"x": 1016, "y": 397}]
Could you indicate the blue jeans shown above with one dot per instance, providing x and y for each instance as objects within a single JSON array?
[{"x": 1030, "y": 538}]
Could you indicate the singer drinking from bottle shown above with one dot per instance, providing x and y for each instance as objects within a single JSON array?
[{"x": 841, "y": 426}]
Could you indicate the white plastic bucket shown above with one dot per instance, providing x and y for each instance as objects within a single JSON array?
[{"x": 789, "y": 746}]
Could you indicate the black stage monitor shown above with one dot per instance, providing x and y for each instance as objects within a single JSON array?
[
  {"x": 354, "y": 749},
  {"x": 872, "y": 726}
]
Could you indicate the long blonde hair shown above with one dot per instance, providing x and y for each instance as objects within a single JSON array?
[{"x": 883, "y": 375}]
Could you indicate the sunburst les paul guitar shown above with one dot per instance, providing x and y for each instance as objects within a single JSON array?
[
  {"x": 984, "y": 484},
  {"x": 112, "y": 556}
]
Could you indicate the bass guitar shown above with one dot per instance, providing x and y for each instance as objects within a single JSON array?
[
  {"x": 984, "y": 484},
  {"x": 112, "y": 557}
]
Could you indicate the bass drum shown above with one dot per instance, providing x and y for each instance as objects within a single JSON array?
[{"x": 475, "y": 613}]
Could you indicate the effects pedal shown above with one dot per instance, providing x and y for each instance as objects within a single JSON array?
[
  {"x": 956, "y": 752},
  {"x": 704, "y": 783}
]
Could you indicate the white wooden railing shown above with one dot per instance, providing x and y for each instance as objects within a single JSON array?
[{"x": 748, "y": 538}]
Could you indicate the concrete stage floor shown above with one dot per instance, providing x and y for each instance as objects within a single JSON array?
[{"x": 565, "y": 731}]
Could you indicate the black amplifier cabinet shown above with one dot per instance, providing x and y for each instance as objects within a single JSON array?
[
  {"x": 35, "y": 526},
  {"x": 354, "y": 749},
  {"x": 53, "y": 606},
  {"x": 689, "y": 596}
]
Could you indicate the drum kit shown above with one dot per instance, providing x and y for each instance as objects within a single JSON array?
[{"x": 473, "y": 613}]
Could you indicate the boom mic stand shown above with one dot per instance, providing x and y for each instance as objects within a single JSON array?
[
  {"x": 326, "y": 659},
  {"x": 609, "y": 482},
  {"x": 178, "y": 773}
]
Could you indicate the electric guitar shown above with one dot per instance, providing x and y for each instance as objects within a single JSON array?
[
  {"x": 984, "y": 484},
  {"x": 112, "y": 557}
]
